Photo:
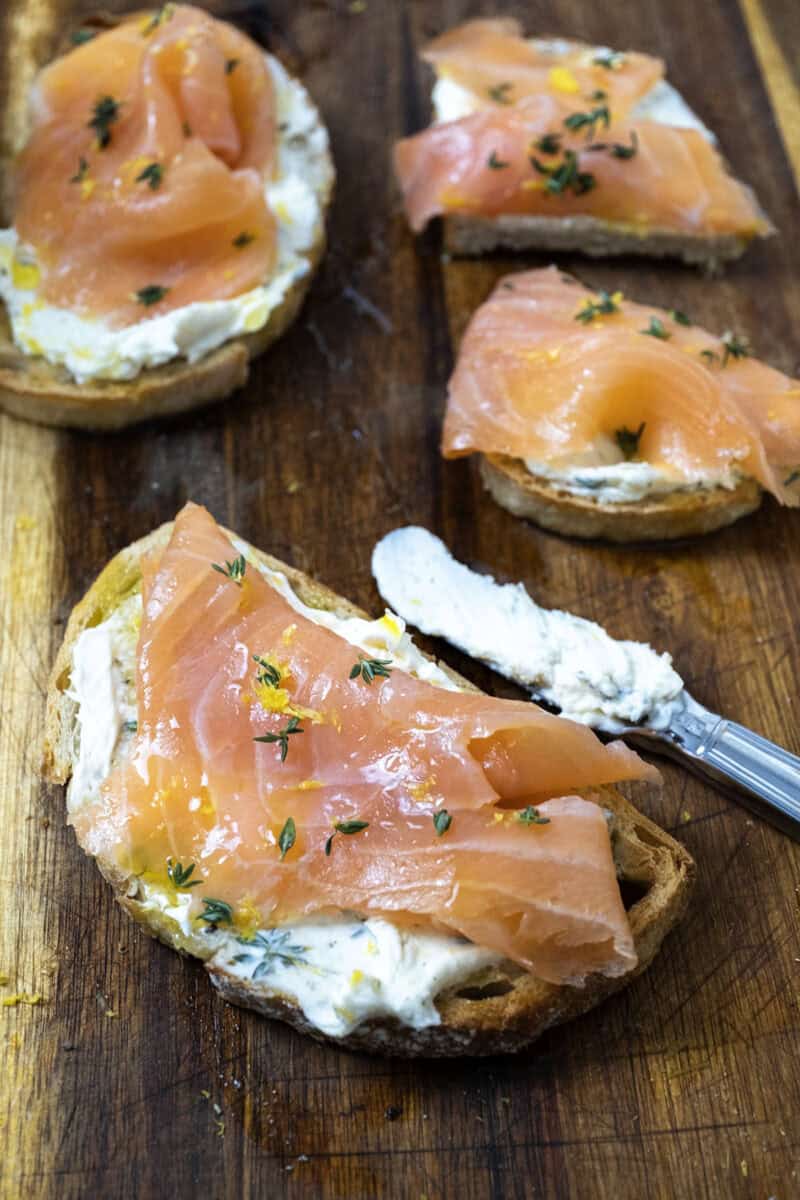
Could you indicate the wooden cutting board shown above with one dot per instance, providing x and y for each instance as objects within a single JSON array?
[{"x": 130, "y": 1078}]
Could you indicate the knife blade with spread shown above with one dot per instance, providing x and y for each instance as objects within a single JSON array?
[{"x": 616, "y": 687}]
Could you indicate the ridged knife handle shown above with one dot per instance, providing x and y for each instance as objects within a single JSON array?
[{"x": 730, "y": 753}]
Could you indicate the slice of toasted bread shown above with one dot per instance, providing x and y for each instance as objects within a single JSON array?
[
  {"x": 673, "y": 515},
  {"x": 501, "y": 1008},
  {"x": 473, "y": 235},
  {"x": 33, "y": 388}
]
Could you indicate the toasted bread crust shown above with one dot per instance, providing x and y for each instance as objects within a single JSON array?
[
  {"x": 40, "y": 391},
  {"x": 502, "y": 1009},
  {"x": 470, "y": 235},
  {"x": 675, "y": 515}
]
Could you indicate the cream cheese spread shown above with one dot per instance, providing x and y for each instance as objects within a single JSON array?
[
  {"x": 565, "y": 660},
  {"x": 626, "y": 482},
  {"x": 340, "y": 971},
  {"x": 89, "y": 349}
]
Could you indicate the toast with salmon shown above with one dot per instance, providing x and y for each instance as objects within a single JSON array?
[
  {"x": 551, "y": 144},
  {"x": 149, "y": 261},
  {"x": 479, "y": 999},
  {"x": 597, "y": 416}
]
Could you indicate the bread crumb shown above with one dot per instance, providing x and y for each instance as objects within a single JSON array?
[
  {"x": 293, "y": 486},
  {"x": 111, "y": 1013},
  {"x": 356, "y": 7},
  {"x": 31, "y": 998},
  {"x": 206, "y": 1095},
  {"x": 685, "y": 816},
  {"x": 3, "y": 979},
  {"x": 743, "y": 1165}
]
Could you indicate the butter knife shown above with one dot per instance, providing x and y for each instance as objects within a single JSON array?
[{"x": 623, "y": 688}]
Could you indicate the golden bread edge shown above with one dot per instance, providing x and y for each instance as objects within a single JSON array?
[
  {"x": 674, "y": 515},
  {"x": 501, "y": 1009}
]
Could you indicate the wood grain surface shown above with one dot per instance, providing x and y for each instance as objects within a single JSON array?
[{"x": 129, "y": 1077}]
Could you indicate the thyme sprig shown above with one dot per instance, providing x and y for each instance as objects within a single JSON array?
[
  {"x": 370, "y": 668},
  {"x": 181, "y": 876},
  {"x": 603, "y": 306},
  {"x": 628, "y": 440},
  {"x": 565, "y": 176},
  {"x": 589, "y": 120},
  {"x": 104, "y": 114},
  {"x": 346, "y": 827},
  {"x": 233, "y": 570},
  {"x": 282, "y": 736},
  {"x": 217, "y": 912},
  {"x": 269, "y": 675},
  {"x": 270, "y": 946}
]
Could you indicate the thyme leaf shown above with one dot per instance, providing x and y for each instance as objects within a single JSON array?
[
  {"x": 500, "y": 93},
  {"x": 104, "y": 114},
  {"x": 233, "y": 570},
  {"x": 612, "y": 60},
  {"x": 287, "y": 837},
  {"x": 628, "y": 440},
  {"x": 151, "y": 294},
  {"x": 532, "y": 816},
  {"x": 548, "y": 143},
  {"x": 733, "y": 347},
  {"x": 496, "y": 163},
  {"x": 230, "y": 65},
  {"x": 152, "y": 174},
  {"x": 792, "y": 477},
  {"x": 80, "y": 174},
  {"x": 79, "y": 37},
  {"x": 161, "y": 15},
  {"x": 243, "y": 239},
  {"x": 442, "y": 821},
  {"x": 282, "y": 736},
  {"x": 369, "y": 668},
  {"x": 680, "y": 318},
  {"x": 656, "y": 329}
]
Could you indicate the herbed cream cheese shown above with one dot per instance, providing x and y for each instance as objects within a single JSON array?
[
  {"x": 89, "y": 349},
  {"x": 340, "y": 971},
  {"x": 626, "y": 482},
  {"x": 565, "y": 660}
]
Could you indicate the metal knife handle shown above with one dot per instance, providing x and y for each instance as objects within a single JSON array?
[{"x": 730, "y": 753}]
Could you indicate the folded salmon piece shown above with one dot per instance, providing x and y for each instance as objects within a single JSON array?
[
  {"x": 141, "y": 187},
  {"x": 551, "y": 129},
  {"x": 434, "y": 807},
  {"x": 552, "y": 372}
]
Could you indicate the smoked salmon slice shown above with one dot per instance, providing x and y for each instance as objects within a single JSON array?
[
  {"x": 141, "y": 188},
  {"x": 231, "y": 747},
  {"x": 564, "y": 140},
  {"x": 497, "y": 65},
  {"x": 552, "y": 372}
]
